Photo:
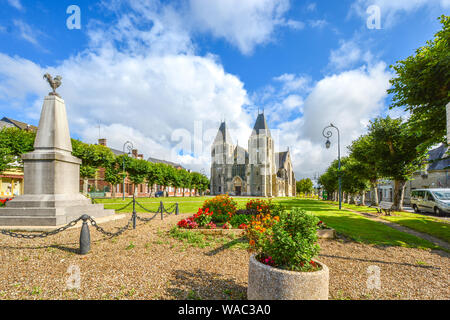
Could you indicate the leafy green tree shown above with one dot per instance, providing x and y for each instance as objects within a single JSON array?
[
  {"x": 305, "y": 186},
  {"x": 93, "y": 157},
  {"x": 114, "y": 174},
  {"x": 153, "y": 174},
  {"x": 364, "y": 151},
  {"x": 137, "y": 170},
  {"x": 422, "y": 86},
  {"x": 354, "y": 180},
  {"x": 13, "y": 144},
  {"x": 400, "y": 152}
]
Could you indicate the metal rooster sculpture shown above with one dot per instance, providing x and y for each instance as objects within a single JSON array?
[{"x": 54, "y": 83}]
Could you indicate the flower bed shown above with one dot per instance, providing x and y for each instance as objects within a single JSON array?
[{"x": 3, "y": 201}]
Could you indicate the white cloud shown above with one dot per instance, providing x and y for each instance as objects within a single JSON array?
[
  {"x": 26, "y": 32},
  {"x": 16, "y": 4},
  {"x": 348, "y": 55},
  {"x": 348, "y": 100},
  {"x": 391, "y": 11},
  {"x": 319, "y": 24},
  {"x": 245, "y": 24}
]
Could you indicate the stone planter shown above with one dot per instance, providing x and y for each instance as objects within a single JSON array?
[
  {"x": 268, "y": 283},
  {"x": 326, "y": 233}
]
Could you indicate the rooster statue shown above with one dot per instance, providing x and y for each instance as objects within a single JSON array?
[{"x": 54, "y": 83}]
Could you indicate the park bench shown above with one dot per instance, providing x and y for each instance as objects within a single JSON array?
[{"x": 385, "y": 206}]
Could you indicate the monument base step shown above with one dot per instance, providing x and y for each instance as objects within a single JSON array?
[{"x": 49, "y": 216}]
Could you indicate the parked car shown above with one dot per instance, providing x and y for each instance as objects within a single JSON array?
[
  {"x": 159, "y": 194},
  {"x": 436, "y": 201}
]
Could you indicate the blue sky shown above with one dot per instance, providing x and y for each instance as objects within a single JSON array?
[{"x": 153, "y": 71}]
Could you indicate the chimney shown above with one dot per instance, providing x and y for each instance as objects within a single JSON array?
[
  {"x": 102, "y": 142},
  {"x": 135, "y": 153}
]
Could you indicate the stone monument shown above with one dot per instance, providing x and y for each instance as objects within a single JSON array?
[{"x": 51, "y": 174}]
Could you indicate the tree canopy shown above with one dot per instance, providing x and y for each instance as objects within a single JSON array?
[{"x": 422, "y": 85}]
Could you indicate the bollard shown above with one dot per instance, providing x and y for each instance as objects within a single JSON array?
[
  {"x": 134, "y": 213},
  {"x": 176, "y": 209},
  {"x": 85, "y": 237},
  {"x": 161, "y": 208}
]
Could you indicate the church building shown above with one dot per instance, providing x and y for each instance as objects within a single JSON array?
[{"x": 258, "y": 171}]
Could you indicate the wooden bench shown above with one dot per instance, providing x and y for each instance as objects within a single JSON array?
[{"x": 384, "y": 206}]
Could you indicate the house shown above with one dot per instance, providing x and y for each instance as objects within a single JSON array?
[{"x": 11, "y": 180}]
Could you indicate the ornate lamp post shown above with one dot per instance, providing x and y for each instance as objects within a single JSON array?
[
  {"x": 129, "y": 146},
  {"x": 328, "y": 134}
]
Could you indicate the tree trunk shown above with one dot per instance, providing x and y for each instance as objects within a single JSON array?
[
  {"x": 135, "y": 190},
  {"x": 374, "y": 195},
  {"x": 399, "y": 188},
  {"x": 351, "y": 199},
  {"x": 363, "y": 199},
  {"x": 113, "y": 191},
  {"x": 85, "y": 186}
]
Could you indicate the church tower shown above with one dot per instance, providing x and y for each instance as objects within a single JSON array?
[
  {"x": 261, "y": 167},
  {"x": 221, "y": 161}
]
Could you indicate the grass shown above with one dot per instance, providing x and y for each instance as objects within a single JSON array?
[
  {"x": 357, "y": 227},
  {"x": 421, "y": 223}
]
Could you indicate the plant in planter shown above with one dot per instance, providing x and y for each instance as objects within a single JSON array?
[{"x": 283, "y": 266}]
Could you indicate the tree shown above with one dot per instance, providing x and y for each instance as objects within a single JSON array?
[
  {"x": 114, "y": 174},
  {"x": 305, "y": 186},
  {"x": 354, "y": 180},
  {"x": 364, "y": 151},
  {"x": 400, "y": 152},
  {"x": 93, "y": 157},
  {"x": 422, "y": 86},
  {"x": 13, "y": 144},
  {"x": 137, "y": 170}
]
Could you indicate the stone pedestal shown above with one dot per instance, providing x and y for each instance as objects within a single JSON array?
[{"x": 51, "y": 177}]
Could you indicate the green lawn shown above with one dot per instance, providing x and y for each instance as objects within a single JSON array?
[
  {"x": 349, "y": 224},
  {"x": 421, "y": 223}
]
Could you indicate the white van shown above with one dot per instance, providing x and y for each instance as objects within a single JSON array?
[{"x": 436, "y": 201}]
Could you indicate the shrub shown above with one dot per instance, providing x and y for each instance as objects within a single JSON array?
[
  {"x": 222, "y": 206},
  {"x": 288, "y": 241}
]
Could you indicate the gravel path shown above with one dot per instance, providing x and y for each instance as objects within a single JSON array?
[{"x": 147, "y": 263}]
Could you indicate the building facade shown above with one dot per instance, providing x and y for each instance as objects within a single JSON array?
[
  {"x": 11, "y": 180},
  {"x": 258, "y": 171}
]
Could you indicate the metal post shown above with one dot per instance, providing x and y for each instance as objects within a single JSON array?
[
  {"x": 134, "y": 212},
  {"x": 327, "y": 135},
  {"x": 85, "y": 237},
  {"x": 161, "y": 208},
  {"x": 176, "y": 209}
]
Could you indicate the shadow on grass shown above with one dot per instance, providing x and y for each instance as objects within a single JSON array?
[{"x": 203, "y": 285}]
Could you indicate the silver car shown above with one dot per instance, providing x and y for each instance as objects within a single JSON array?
[{"x": 436, "y": 201}]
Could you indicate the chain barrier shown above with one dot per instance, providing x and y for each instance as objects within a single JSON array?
[
  {"x": 144, "y": 208},
  {"x": 85, "y": 234},
  {"x": 40, "y": 235},
  {"x": 110, "y": 234}
]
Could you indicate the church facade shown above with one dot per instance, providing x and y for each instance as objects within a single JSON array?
[{"x": 258, "y": 171}]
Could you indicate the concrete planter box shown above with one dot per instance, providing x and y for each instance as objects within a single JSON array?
[
  {"x": 268, "y": 283},
  {"x": 326, "y": 233}
]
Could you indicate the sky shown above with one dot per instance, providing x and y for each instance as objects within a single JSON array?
[{"x": 164, "y": 74}]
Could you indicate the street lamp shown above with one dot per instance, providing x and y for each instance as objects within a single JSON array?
[
  {"x": 327, "y": 135},
  {"x": 129, "y": 146}
]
